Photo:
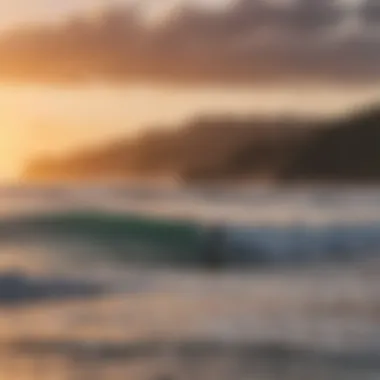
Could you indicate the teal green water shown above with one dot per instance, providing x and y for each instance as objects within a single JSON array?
[{"x": 128, "y": 237}]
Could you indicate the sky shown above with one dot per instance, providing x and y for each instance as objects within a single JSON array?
[
  {"x": 77, "y": 72},
  {"x": 29, "y": 11}
]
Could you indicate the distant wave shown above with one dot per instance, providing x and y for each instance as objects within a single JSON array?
[
  {"x": 160, "y": 240},
  {"x": 131, "y": 237},
  {"x": 18, "y": 288}
]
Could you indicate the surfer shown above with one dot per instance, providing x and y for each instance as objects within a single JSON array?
[{"x": 214, "y": 247}]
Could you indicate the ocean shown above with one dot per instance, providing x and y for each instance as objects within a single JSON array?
[{"x": 114, "y": 281}]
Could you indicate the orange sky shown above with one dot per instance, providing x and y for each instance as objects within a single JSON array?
[
  {"x": 36, "y": 119},
  {"x": 13, "y": 12}
]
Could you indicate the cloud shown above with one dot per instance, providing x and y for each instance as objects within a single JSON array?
[{"x": 248, "y": 41}]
